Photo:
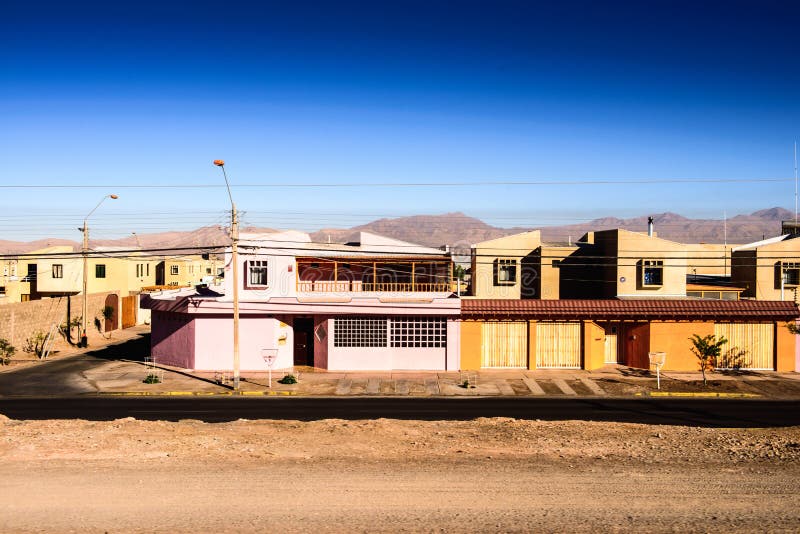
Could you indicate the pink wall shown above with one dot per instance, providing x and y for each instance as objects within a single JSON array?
[
  {"x": 172, "y": 339},
  {"x": 214, "y": 343},
  {"x": 384, "y": 359}
]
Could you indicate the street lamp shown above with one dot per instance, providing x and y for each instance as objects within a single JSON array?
[
  {"x": 85, "y": 253},
  {"x": 235, "y": 268}
]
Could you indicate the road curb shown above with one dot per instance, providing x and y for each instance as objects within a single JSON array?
[
  {"x": 699, "y": 394},
  {"x": 194, "y": 393}
]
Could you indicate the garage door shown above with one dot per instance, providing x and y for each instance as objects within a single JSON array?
[
  {"x": 558, "y": 345},
  {"x": 504, "y": 344},
  {"x": 749, "y": 346}
]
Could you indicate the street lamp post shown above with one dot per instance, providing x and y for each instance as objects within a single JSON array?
[
  {"x": 85, "y": 254},
  {"x": 235, "y": 268}
]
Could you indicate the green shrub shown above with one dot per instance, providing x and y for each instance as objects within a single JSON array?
[
  {"x": 7, "y": 350},
  {"x": 288, "y": 379}
]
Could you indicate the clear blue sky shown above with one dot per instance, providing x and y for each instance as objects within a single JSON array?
[{"x": 116, "y": 94}]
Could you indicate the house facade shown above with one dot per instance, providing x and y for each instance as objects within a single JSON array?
[
  {"x": 589, "y": 334},
  {"x": 371, "y": 304},
  {"x": 768, "y": 269}
]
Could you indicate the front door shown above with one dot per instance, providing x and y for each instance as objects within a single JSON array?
[
  {"x": 611, "y": 344},
  {"x": 304, "y": 341}
]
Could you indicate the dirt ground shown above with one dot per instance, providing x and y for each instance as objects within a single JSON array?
[{"x": 383, "y": 475}]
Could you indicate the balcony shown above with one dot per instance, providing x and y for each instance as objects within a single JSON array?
[{"x": 378, "y": 276}]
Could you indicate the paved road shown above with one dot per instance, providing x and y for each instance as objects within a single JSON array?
[{"x": 692, "y": 412}]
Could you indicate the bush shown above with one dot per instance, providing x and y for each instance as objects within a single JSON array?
[
  {"x": 35, "y": 344},
  {"x": 707, "y": 350},
  {"x": 288, "y": 379},
  {"x": 152, "y": 379},
  {"x": 7, "y": 350}
]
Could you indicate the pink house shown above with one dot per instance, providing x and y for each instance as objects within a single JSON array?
[{"x": 371, "y": 304}]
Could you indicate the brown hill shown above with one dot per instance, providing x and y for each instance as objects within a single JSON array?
[{"x": 459, "y": 230}]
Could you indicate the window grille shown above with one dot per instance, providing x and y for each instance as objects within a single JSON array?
[
  {"x": 58, "y": 270},
  {"x": 100, "y": 270},
  {"x": 359, "y": 332},
  {"x": 174, "y": 269},
  {"x": 418, "y": 332}
]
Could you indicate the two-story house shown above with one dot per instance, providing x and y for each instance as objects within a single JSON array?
[{"x": 370, "y": 304}]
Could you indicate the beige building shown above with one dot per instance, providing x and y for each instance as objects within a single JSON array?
[
  {"x": 623, "y": 264},
  {"x": 768, "y": 269},
  {"x": 503, "y": 268}
]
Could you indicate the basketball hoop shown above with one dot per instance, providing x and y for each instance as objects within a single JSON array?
[
  {"x": 270, "y": 356},
  {"x": 657, "y": 359}
]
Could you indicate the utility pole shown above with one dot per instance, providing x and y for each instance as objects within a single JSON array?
[
  {"x": 235, "y": 268},
  {"x": 85, "y": 254}
]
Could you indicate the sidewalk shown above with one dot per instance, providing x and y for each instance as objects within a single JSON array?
[{"x": 119, "y": 368}]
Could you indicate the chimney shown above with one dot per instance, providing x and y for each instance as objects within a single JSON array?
[{"x": 649, "y": 227}]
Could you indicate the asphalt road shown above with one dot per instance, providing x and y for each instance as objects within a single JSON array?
[{"x": 739, "y": 413}]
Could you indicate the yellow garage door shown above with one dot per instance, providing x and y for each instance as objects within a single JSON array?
[
  {"x": 558, "y": 345},
  {"x": 504, "y": 344},
  {"x": 749, "y": 346}
]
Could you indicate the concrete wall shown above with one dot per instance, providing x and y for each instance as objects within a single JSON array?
[
  {"x": 708, "y": 259},
  {"x": 471, "y": 345},
  {"x": 673, "y": 338},
  {"x": 20, "y": 320},
  {"x": 633, "y": 248},
  {"x": 172, "y": 339},
  {"x": 785, "y": 349}
]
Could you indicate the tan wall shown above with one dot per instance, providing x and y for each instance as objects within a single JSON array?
[
  {"x": 471, "y": 345},
  {"x": 515, "y": 247},
  {"x": 191, "y": 271},
  {"x": 755, "y": 269},
  {"x": 673, "y": 338},
  {"x": 21, "y": 320},
  {"x": 785, "y": 346},
  {"x": 549, "y": 277},
  {"x": 593, "y": 345},
  {"x": 633, "y": 247},
  {"x": 708, "y": 258}
]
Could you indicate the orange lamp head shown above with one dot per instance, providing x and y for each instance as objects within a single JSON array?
[{"x": 219, "y": 162}]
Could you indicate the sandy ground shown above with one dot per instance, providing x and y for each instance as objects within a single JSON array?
[{"x": 501, "y": 475}]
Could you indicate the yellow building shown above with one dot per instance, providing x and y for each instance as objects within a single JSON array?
[
  {"x": 623, "y": 264},
  {"x": 503, "y": 268},
  {"x": 768, "y": 269}
]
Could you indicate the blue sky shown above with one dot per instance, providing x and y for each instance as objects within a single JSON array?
[{"x": 115, "y": 95}]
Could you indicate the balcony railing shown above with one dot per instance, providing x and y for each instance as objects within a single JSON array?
[{"x": 327, "y": 286}]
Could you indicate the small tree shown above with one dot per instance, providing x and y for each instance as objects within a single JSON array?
[
  {"x": 35, "y": 344},
  {"x": 7, "y": 350},
  {"x": 707, "y": 349}
]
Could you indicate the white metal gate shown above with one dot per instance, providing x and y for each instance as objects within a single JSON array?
[
  {"x": 558, "y": 345},
  {"x": 749, "y": 346},
  {"x": 504, "y": 344}
]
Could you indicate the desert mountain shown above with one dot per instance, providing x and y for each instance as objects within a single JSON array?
[{"x": 459, "y": 230}]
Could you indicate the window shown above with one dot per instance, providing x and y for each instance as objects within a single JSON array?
[
  {"x": 652, "y": 273},
  {"x": 174, "y": 269},
  {"x": 257, "y": 272},
  {"x": 100, "y": 270},
  {"x": 25, "y": 297},
  {"x": 505, "y": 272},
  {"x": 208, "y": 270},
  {"x": 2, "y": 291},
  {"x": 147, "y": 265},
  {"x": 139, "y": 269},
  {"x": 791, "y": 274},
  {"x": 413, "y": 332},
  {"x": 418, "y": 332},
  {"x": 359, "y": 332},
  {"x": 58, "y": 270}
]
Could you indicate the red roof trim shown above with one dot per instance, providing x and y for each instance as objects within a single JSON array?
[{"x": 631, "y": 309}]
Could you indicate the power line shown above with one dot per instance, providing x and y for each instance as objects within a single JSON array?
[{"x": 479, "y": 183}]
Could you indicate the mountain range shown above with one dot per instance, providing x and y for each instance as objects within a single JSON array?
[{"x": 460, "y": 230}]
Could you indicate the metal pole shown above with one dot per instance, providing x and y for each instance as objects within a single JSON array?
[
  {"x": 235, "y": 267},
  {"x": 85, "y": 250}
]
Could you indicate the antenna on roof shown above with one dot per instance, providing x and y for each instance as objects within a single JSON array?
[{"x": 795, "y": 180}]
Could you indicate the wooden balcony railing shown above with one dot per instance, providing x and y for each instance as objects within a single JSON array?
[{"x": 304, "y": 286}]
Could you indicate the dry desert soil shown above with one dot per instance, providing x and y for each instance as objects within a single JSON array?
[{"x": 485, "y": 475}]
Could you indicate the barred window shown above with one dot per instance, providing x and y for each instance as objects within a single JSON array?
[
  {"x": 257, "y": 272},
  {"x": 418, "y": 332},
  {"x": 359, "y": 332}
]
